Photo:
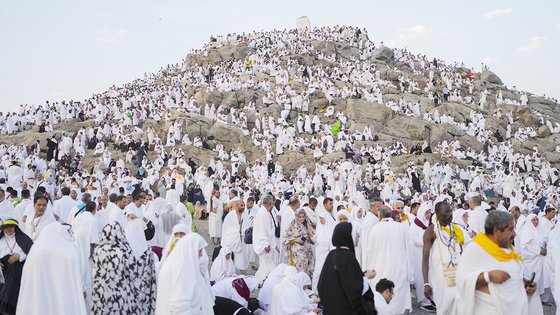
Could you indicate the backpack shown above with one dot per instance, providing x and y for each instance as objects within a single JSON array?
[{"x": 248, "y": 237}]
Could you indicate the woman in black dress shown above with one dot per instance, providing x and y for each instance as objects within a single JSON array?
[
  {"x": 14, "y": 247},
  {"x": 341, "y": 284}
]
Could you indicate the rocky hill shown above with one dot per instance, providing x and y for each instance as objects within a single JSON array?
[{"x": 339, "y": 65}]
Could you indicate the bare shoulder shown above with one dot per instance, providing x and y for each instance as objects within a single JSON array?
[{"x": 429, "y": 234}]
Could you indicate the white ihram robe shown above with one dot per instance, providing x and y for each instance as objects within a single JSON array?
[
  {"x": 508, "y": 297},
  {"x": 263, "y": 236},
  {"x": 323, "y": 244},
  {"x": 232, "y": 239},
  {"x": 387, "y": 253}
]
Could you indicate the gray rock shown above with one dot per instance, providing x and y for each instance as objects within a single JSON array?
[
  {"x": 364, "y": 113},
  {"x": 348, "y": 52},
  {"x": 383, "y": 54},
  {"x": 491, "y": 77},
  {"x": 525, "y": 117},
  {"x": 407, "y": 129},
  {"x": 543, "y": 131}
]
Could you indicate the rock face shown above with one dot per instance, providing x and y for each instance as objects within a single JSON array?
[
  {"x": 526, "y": 117},
  {"x": 384, "y": 54},
  {"x": 218, "y": 54},
  {"x": 409, "y": 129},
  {"x": 491, "y": 77},
  {"x": 363, "y": 113},
  {"x": 543, "y": 132}
]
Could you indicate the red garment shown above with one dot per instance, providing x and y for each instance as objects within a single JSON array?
[{"x": 241, "y": 287}]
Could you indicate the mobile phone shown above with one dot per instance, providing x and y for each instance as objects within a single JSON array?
[{"x": 531, "y": 281}]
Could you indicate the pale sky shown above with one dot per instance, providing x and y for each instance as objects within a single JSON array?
[{"x": 61, "y": 50}]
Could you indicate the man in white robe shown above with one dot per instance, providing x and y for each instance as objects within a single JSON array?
[
  {"x": 116, "y": 212},
  {"x": 519, "y": 220},
  {"x": 442, "y": 248},
  {"x": 183, "y": 212},
  {"x": 19, "y": 210},
  {"x": 387, "y": 254},
  {"x": 248, "y": 220},
  {"x": 323, "y": 238},
  {"x": 232, "y": 236},
  {"x": 15, "y": 175},
  {"x": 478, "y": 214},
  {"x": 40, "y": 219},
  {"x": 86, "y": 236},
  {"x": 545, "y": 223},
  {"x": 490, "y": 273},
  {"x": 172, "y": 196},
  {"x": 310, "y": 212},
  {"x": 62, "y": 206},
  {"x": 86, "y": 197},
  {"x": 265, "y": 243},
  {"x": 382, "y": 296},
  {"x": 370, "y": 220},
  {"x": 216, "y": 211},
  {"x": 6, "y": 207}
]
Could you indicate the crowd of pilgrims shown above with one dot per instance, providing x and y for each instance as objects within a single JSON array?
[{"x": 109, "y": 237}]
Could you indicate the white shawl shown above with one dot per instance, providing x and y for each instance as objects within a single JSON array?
[
  {"x": 184, "y": 284},
  {"x": 51, "y": 282}
]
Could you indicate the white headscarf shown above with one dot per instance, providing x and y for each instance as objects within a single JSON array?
[
  {"x": 222, "y": 267},
  {"x": 355, "y": 211},
  {"x": 184, "y": 283},
  {"x": 52, "y": 267},
  {"x": 344, "y": 213},
  {"x": 530, "y": 232},
  {"x": 289, "y": 296},
  {"x": 265, "y": 294},
  {"x": 181, "y": 227},
  {"x": 458, "y": 217},
  {"x": 134, "y": 232}
]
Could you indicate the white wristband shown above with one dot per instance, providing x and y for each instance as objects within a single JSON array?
[{"x": 486, "y": 277}]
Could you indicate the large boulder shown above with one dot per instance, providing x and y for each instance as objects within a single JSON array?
[
  {"x": 543, "y": 131},
  {"x": 327, "y": 48},
  {"x": 527, "y": 118},
  {"x": 304, "y": 59},
  {"x": 491, "y": 77},
  {"x": 389, "y": 75},
  {"x": 364, "y": 113},
  {"x": 213, "y": 98},
  {"x": 318, "y": 104},
  {"x": 407, "y": 129},
  {"x": 217, "y": 55},
  {"x": 383, "y": 53},
  {"x": 348, "y": 52},
  {"x": 228, "y": 135}
]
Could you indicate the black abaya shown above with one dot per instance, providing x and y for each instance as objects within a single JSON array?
[
  {"x": 223, "y": 306},
  {"x": 12, "y": 274},
  {"x": 341, "y": 281},
  {"x": 416, "y": 183}
]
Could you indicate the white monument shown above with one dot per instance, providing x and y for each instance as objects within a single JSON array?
[{"x": 303, "y": 23}]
